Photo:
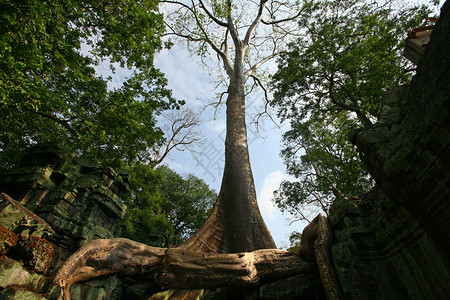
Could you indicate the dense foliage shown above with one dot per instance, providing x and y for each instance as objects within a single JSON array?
[
  {"x": 56, "y": 62},
  {"x": 50, "y": 91},
  {"x": 331, "y": 82},
  {"x": 294, "y": 241},
  {"x": 328, "y": 166},
  {"x": 165, "y": 208}
]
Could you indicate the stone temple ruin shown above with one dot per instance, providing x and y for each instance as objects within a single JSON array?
[
  {"x": 392, "y": 243},
  {"x": 50, "y": 207}
]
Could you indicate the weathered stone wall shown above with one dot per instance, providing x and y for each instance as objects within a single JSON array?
[
  {"x": 303, "y": 286},
  {"x": 394, "y": 243},
  {"x": 49, "y": 207},
  {"x": 381, "y": 252},
  {"x": 407, "y": 152}
]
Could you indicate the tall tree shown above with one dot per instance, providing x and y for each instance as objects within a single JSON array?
[
  {"x": 49, "y": 89},
  {"x": 244, "y": 35},
  {"x": 235, "y": 223},
  {"x": 332, "y": 82}
]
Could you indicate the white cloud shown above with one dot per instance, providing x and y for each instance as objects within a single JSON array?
[
  {"x": 271, "y": 183},
  {"x": 184, "y": 74},
  {"x": 217, "y": 126},
  {"x": 176, "y": 166}
]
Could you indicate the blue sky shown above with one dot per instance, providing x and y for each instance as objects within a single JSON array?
[{"x": 189, "y": 81}]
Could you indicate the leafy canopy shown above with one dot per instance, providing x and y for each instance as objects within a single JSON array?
[
  {"x": 49, "y": 88},
  {"x": 165, "y": 208},
  {"x": 330, "y": 82},
  {"x": 51, "y": 91}
]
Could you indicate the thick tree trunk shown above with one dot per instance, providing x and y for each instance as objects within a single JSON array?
[
  {"x": 244, "y": 227},
  {"x": 235, "y": 223}
]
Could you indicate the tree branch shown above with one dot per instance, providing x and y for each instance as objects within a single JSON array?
[
  {"x": 253, "y": 68},
  {"x": 320, "y": 175},
  {"x": 227, "y": 64},
  {"x": 361, "y": 116},
  {"x": 64, "y": 123},
  {"x": 233, "y": 31},
  {"x": 205, "y": 38},
  {"x": 225, "y": 42},
  {"x": 183, "y": 269},
  {"x": 273, "y": 22},
  {"x": 185, "y": 121},
  {"x": 266, "y": 104},
  {"x": 254, "y": 24},
  {"x": 217, "y": 21},
  {"x": 177, "y": 268},
  {"x": 302, "y": 217}
]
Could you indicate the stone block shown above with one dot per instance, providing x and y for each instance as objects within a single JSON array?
[
  {"x": 14, "y": 275},
  {"x": 108, "y": 288},
  {"x": 8, "y": 239},
  {"x": 298, "y": 287},
  {"x": 112, "y": 204},
  {"x": 341, "y": 208},
  {"x": 69, "y": 201},
  {"x": 39, "y": 254},
  {"x": 17, "y": 218},
  {"x": 86, "y": 164},
  {"x": 20, "y": 294}
]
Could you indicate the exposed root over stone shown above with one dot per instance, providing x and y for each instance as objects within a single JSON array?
[{"x": 176, "y": 268}]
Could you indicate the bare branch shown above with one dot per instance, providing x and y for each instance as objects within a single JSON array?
[
  {"x": 319, "y": 199},
  {"x": 184, "y": 36},
  {"x": 216, "y": 104},
  {"x": 266, "y": 102},
  {"x": 250, "y": 71},
  {"x": 233, "y": 31},
  {"x": 251, "y": 89},
  {"x": 218, "y": 22},
  {"x": 205, "y": 37},
  {"x": 180, "y": 134},
  {"x": 254, "y": 24},
  {"x": 273, "y": 22},
  {"x": 302, "y": 217},
  {"x": 225, "y": 42},
  {"x": 226, "y": 62},
  {"x": 319, "y": 174}
]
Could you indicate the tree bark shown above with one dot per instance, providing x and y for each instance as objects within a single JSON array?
[
  {"x": 177, "y": 268},
  {"x": 235, "y": 223},
  {"x": 315, "y": 244},
  {"x": 182, "y": 269}
]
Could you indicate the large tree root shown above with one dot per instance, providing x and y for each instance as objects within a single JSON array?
[
  {"x": 315, "y": 244},
  {"x": 177, "y": 268},
  {"x": 105, "y": 257},
  {"x": 183, "y": 269}
]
